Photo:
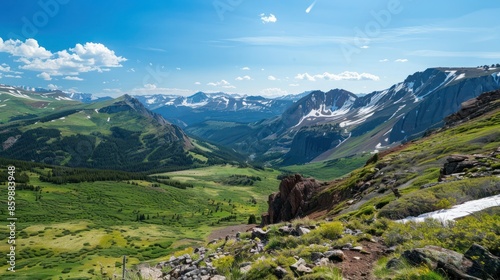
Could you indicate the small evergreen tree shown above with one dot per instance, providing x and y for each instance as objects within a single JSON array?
[{"x": 252, "y": 219}]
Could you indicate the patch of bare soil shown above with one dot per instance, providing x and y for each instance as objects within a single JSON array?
[
  {"x": 230, "y": 230},
  {"x": 359, "y": 265}
]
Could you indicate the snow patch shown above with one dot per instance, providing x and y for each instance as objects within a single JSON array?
[
  {"x": 458, "y": 211},
  {"x": 96, "y": 110},
  {"x": 399, "y": 109},
  {"x": 461, "y": 76},
  {"x": 109, "y": 118}
]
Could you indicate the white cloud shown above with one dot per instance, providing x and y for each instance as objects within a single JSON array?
[
  {"x": 273, "y": 92},
  {"x": 72, "y": 78},
  {"x": 402, "y": 60},
  {"x": 383, "y": 60},
  {"x": 178, "y": 68},
  {"x": 197, "y": 83},
  {"x": 271, "y": 78},
  {"x": 44, "y": 76},
  {"x": 52, "y": 87},
  {"x": 27, "y": 49},
  {"x": 248, "y": 78},
  {"x": 80, "y": 59},
  {"x": 294, "y": 85},
  {"x": 4, "y": 67},
  {"x": 268, "y": 19},
  {"x": 13, "y": 76},
  {"x": 220, "y": 83},
  {"x": 245, "y": 68},
  {"x": 346, "y": 75},
  {"x": 365, "y": 47}
]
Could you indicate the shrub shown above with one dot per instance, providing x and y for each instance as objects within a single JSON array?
[
  {"x": 224, "y": 264},
  {"x": 331, "y": 230}
]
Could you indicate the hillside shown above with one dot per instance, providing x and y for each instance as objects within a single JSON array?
[
  {"x": 112, "y": 134},
  {"x": 346, "y": 228},
  {"x": 19, "y": 104}
]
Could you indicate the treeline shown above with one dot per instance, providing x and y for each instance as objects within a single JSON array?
[
  {"x": 63, "y": 175},
  {"x": 174, "y": 183},
  {"x": 241, "y": 180}
]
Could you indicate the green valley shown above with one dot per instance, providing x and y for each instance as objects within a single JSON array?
[{"x": 84, "y": 229}]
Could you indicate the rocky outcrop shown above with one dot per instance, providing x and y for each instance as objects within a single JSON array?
[
  {"x": 183, "y": 267},
  {"x": 458, "y": 163},
  {"x": 478, "y": 165},
  {"x": 477, "y": 263},
  {"x": 293, "y": 199},
  {"x": 475, "y": 107}
]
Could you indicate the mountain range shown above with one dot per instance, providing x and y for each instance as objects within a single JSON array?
[
  {"x": 112, "y": 134},
  {"x": 312, "y": 126},
  {"x": 339, "y": 123}
]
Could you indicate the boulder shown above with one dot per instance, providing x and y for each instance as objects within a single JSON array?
[
  {"x": 245, "y": 269},
  {"x": 457, "y": 164},
  {"x": 485, "y": 264},
  {"x": 259, "y": 233},
  {"x": 316, "y": 256},
  {"x": 280, "y": 272},
  {"x": 302, "y": 230},
  {"x": 436, "y": 258},
  {"x": 335, "y": 255},
  {"x": 296, "y": 265},
  {"x": 302, "y": 269}
]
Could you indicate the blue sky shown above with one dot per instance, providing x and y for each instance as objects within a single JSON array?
[{"x": 255, "y": 47}]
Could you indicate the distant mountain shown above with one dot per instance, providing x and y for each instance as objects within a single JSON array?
[
  {"x": 199, "y": 107},
  {"x": 294, "y": 97},
  {"x": 17, "y": 103},
  {"x": 362, "y": 123},
  {"x": 113, "y": 134},
  {"x": 87, "y": 97}
]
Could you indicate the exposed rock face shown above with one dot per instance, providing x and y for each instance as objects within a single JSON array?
[
  {"x": 475, "y": 107},
  {"x": 446, "y": 98},
  {"x": 457, "y": 163},
  {"x": 293, "y": 200},
  {"x": 310, "y": 142}
]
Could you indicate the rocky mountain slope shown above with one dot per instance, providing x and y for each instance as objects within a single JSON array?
[{"x": 368, "y": 123}]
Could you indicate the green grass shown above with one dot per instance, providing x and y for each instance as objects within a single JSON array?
[
  {"x": 79, "y": 227},
  {"x": 19, "y": 107},
  {"x": 329, "y": 170}
]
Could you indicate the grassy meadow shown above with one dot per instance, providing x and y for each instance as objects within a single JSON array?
[{"x": 82, "y": 230}]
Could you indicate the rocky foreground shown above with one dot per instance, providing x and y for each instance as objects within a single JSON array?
[{"x": 354, "y": 262}]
